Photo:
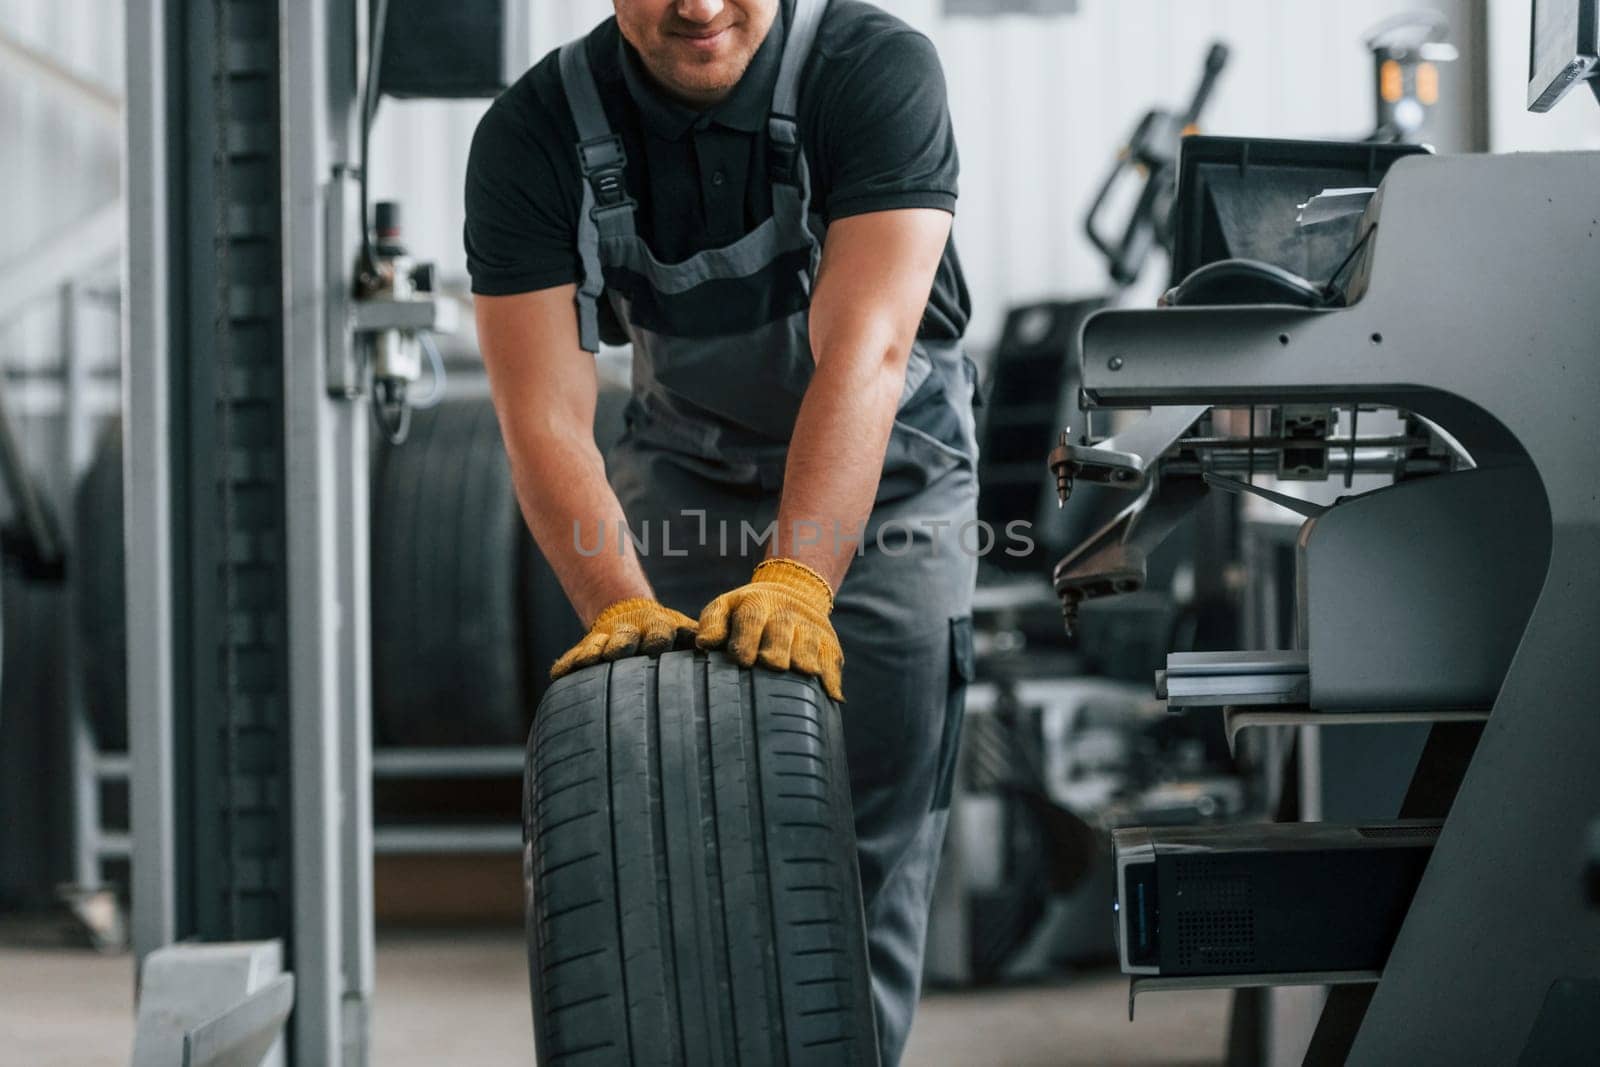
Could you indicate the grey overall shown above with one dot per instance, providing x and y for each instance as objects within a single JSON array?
[{"x": 701, "y": 465}]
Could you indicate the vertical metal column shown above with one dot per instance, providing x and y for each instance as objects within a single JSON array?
[
  {"x": 147, "y": 408},
  {"x": 246, "y": 523},
  {"x": 73, "y": 459},
  {"x": 328, "y": 538},
  {"x": 348, "y": 53}
]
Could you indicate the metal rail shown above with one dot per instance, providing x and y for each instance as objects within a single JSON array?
[
  {"x": 447, "y": 840},
  {"x": 488, "y": 761}
]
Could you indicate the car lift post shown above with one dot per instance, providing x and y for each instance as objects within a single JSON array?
[{"x": 247, "y": 567}]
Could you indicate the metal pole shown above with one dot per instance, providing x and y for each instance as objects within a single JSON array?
[
  {"x": 326, "y": 478},
  {"x": 354, "y": 712},
  {"x": 348, "y": 28},
  {"x": 256, "y": 303},
  {"x": 146, "y": 462},
  {"x": 81, "y": 744}
]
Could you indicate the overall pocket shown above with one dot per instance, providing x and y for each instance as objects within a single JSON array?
[
  {"x": 929, "y": 438},
  {"x": 962, "y": 669}
]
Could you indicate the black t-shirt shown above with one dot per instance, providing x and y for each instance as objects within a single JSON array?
[{"x": 873, "y": 121}]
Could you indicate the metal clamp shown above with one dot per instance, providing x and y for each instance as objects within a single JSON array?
[{"x": 1123, "y": 461}]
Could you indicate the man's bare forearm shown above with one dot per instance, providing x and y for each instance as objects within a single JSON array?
[
  {"x": 871, "y": 290},
  {"x": 836, "y": 452},
  {"x": 544, "y": 388},
  {"x": 576, "y": 519}
]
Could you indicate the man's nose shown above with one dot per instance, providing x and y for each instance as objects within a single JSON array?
[{"x": 700, "y": 10}]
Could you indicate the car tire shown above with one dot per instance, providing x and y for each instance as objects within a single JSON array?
[
  {"x": 446, "y": 621},
  {"x": 692, "y": 890}
]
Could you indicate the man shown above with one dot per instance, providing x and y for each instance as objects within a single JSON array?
[{"x": 757, "y": 194}]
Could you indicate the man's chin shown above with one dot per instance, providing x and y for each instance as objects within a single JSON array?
[{"x": 703, "y": 81}]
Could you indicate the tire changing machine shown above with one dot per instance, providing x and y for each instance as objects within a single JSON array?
[{"x": 1470, "y": 306}]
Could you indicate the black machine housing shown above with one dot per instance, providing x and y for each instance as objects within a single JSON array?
[{"x": 1265, "y": 898}]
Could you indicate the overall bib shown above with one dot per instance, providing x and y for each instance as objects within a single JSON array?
[{"x": 721, "y": 360}]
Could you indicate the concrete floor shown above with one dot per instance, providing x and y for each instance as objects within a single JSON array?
[{"x": 461, "y": 998}]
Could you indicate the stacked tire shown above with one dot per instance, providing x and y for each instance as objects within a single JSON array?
[
  {"x": 448, "y": 622},
  {"x": 97, "y": 578},
  {"x": 692, "y": 890},
  {"x": 467, "y": 615}
]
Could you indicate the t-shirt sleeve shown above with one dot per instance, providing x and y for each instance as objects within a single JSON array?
[
  {"x": 520, "y": 230},
  {"x": 886, "y": 133}
]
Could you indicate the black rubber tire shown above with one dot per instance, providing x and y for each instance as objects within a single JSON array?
[
  {"x": 692, "y": 891},
  {"x": 446, "y": 617},
  {"x": 466, "y": 613},
  {"x": 35, "y": 832},
  {"x": 97, "y": 580}
]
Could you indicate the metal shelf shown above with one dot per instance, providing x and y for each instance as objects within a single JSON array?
[
  {"x": 447, "y": 840},
  {"x": 487, "y": 761},
  {"x": 459, "y": 764},
  {"x": 1157, "y": 984},
  {"x": 1236, "y": 719}
]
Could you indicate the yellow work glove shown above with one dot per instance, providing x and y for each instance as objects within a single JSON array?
[
  {"x": 779, "y": 620},
  {"x": 637, "y": 626}
]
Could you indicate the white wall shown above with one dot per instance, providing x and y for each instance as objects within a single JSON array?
[
  {"x": 1040, "y": 106},
  {"x": 59, "y": 165},
  {"x": 1573, "y": 123},
  {"x": 59, "y": 162}
]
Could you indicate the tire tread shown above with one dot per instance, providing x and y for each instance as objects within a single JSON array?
[{"x": 693, "y": 895}]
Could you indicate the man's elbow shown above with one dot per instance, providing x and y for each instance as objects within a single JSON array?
[
  {"x": 544, "y": 440},
  {"x": 868, "y": 339}
]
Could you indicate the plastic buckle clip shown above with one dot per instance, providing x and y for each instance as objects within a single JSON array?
[{"x": 603, "y": 161}]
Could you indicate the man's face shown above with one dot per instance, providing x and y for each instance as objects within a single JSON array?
[{"x": 696, "y": 49}]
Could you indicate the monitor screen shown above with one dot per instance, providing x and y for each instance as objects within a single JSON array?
[{"x": 1563, "y": 49}]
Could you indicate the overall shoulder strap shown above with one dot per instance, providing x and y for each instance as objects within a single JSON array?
[
  {"x": 583, "y": 96},
  {"x": 607, "y": 209},
  {"x": 782, "y": 126}
]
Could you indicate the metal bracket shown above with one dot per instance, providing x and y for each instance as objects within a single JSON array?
[
  {"x": 341, "y": 219},
  {"x": 1212, "y": 679},
  {"x": 349, "y": 318},
  {"x": 246, "y": 1032},
  {"x": 429, "y": 312},
  {"x": 213, "y": 1004},
  {"x": 1123, "y": 460},
  {"x": 1114, "y": 559}
]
